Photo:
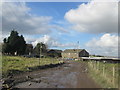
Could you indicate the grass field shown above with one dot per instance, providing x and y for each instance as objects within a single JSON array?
[
  {"x": 17, "y": 63},
  {"x": 105, "y": 74}
]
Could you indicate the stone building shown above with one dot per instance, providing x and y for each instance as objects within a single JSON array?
[{"x": 74, "y": 53}]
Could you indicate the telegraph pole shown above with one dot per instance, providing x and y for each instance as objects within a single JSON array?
[
  {"x": 77, "y": 49},
  {"x": 40, "y": 54},
  {"x": 39, "y": 59}
]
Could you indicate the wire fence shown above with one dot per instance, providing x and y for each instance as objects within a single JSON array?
[{"x": 109, "y": 72}]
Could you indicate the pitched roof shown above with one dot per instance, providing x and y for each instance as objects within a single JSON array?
[
  {"x": 55, "y": 50},
  {"x": 72, "y": 50}
]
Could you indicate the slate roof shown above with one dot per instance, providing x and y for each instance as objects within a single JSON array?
[
  {"x": 54, "y": 50},
  {"x": 72, "y": 50}
]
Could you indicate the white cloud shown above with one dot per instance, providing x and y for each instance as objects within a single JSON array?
[
  {"x": 95, "y": 17},
  {"x": 16, "y": 15},
  {"x": 45, "y": 39},
  {"x": 52, "y": 42},
  {"x": 29, "y": 38},
  {"x": 105, "y": 45}
]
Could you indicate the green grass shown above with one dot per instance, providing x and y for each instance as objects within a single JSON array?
[
  {"x": 106, "y": 79},
  {"x": 17, "y": 63}
]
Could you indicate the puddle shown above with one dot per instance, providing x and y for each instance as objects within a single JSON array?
[{"x": 62, "y": 77}]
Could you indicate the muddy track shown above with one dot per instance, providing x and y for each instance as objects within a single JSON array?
[{"x": 69, "y": 75}]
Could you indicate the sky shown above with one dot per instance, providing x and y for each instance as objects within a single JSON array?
[{"x": 64, "y": 25}]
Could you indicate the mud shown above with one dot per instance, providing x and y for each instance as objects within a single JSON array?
[{"x": 69, "y": 75}]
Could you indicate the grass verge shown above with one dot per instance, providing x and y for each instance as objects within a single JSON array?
[
  {"x": 105, "y": 74},
  {"x": 18, "y": 64}
]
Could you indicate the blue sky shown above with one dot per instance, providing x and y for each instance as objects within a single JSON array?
[
  {"x": 57, "y": 11},
  {"x": 62, "y": 24}
]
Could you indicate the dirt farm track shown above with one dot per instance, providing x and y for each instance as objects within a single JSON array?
[{"x": 69, "y": 75}]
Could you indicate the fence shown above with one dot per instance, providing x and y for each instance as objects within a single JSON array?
[{"x": 109, "y": 72}]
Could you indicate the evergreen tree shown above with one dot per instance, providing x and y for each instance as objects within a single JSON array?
[{"x": 14, "y": 43}]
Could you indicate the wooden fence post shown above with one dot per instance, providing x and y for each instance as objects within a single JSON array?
[
  {"x": 94, "y": 64},
  {"x": 113, "y": 71},
  {"x": 104, "y": 70},
  {"x": 113, "y": 75},
  {"x": 97, "y": 65}
]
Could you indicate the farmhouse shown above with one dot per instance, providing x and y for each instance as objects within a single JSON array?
[{"x": 74, "y": 53}]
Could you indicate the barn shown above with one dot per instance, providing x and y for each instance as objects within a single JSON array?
[
  {"x": 54, "y": 53},
  {"x": 74, "y": 53}
]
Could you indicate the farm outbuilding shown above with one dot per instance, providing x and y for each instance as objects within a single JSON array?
[
  {"x": 74, "y": 53},
  {"x": 29, "y": 49},
  {"x": 54, "y": 53}
]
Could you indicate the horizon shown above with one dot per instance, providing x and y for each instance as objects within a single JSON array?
[{"x": 62, "y": 24}]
